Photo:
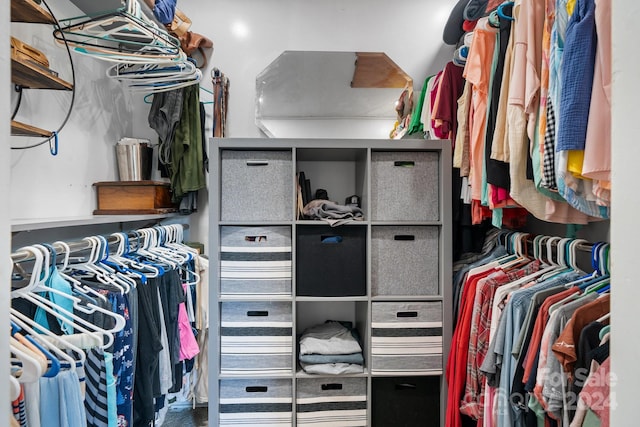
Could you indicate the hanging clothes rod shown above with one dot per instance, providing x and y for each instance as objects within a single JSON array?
[{"x": 79, "y": 245}]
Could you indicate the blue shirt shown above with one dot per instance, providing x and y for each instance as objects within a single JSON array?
[
  {"x": 577, "y": 77},
  {"x": 515, "y": 312}
]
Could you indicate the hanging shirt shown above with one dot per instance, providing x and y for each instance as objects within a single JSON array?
[
  {"x": 123, "y": 360},
  {"x": 57, "y": 282},
  {"x": 565, "y": 346},
  {"x": 548, "y": 388},
  {"x": 473, "y": 399},
  {"x": 478, "y": 72},
  {"x": 457, "y": 361},
  {"x": 597, "y": 156},
  {"x": 187, "y": 158},
  {"x": 497, "y": 170},
  {"x": 514, "y": 314},
  {"x": 450, "y": 88},
  {"x": 188, "y": 344},
  {"x": 546, "y": 125},
  {"x": 577, "y": 77},
  {"x": 523, "y": 190},
  {"x": 461, "y": 146}
]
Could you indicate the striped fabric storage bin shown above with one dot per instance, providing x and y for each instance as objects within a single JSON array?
[
  {"x": 406, "y": 338},
  {"x": 256, "y": 338},
  {"x": 327, "y": 402},
  {"x": 256, "y": 403},
  {"x": 255, "y": 261}
]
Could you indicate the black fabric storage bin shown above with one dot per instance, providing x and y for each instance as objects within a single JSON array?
[
  {"x": 405, "y": 401},
  {"x": 331, "y": 262}
]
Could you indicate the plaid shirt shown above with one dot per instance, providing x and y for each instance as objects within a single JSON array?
[{"x": 473, "y": 398}]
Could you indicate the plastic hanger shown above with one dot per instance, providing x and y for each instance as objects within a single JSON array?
[
  {"x": 97, "y": 270},
  {"x": 164, "y": 86},
  {"x": 87, "y": 309},
  {"x": 121, "y": 262},
  {"x": 17, "y": 340},
  {"x": 14, "y": 388},
  {"x": 52, "y": 362},
  {"x": 501, "y": 13},
  {"x": 163, "y": 76},
  {"x": 30, "y": 294},
  {"x": 556, "y": 266},
  {"x": 69, "y": 318},
  {"x": 137, "y": 263},
  {"x": 600, "y": 272},
  {"x": 103, "y": 257},
  {"x": 146, "y": 249},
  {"x": 173, "y": 241},
  {"x": 519, "y": 244},
  {"x": 76, "y": 284},
  {"x": 509, "y": 247},
  {"x": 604, "y": 331},
  {"x": 31, "y": 367},
  {"x": 56, "y": 341},
  {"x": 124, "y": 35}
]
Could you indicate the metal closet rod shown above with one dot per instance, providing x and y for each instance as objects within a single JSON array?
[{"x": 78, "y": 245}]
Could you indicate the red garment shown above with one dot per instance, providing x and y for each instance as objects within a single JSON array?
[
  {"x": 469, "y": 25},
  {"x": 433, "y": 96},
  {"x": 473, "y": 399},
  {"x": 446, "y": 110},
  {"x": 457, "y": 361}
]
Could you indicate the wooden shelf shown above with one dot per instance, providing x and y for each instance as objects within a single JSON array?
[
  {"x": 21, "y": 129},
  {"x": 29, "y": 11},
  {"x": 377, "y": 70},
  {"x": 31, "y": 76}
]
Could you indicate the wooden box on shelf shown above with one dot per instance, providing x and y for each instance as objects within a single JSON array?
[{"x": 133, "y": 197}]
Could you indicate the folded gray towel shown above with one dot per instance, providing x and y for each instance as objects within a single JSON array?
[{"x": 332, "y": 212}]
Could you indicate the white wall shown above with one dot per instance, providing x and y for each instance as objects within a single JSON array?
[
  {"x": 248, "y": 35},
  {"x": 5, "y": 229},
  {"x": 61, "y": 186},
  {"x": 625, "y": 233}
]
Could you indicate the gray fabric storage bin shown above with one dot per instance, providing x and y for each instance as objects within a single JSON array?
[
  {"x": 331, "y": 401},
  {"x": 406, "y": 338},
  {"x": 255, "y": 261},
  {"x": 404, "y": 260},
  {"x": 261, "y": 402},
  {"x": 256, "y": 338},
  {"x": 405, "y": 186},
  {"x": 256, "y": 185}
]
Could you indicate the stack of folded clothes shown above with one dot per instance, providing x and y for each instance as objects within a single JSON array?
[{"x": 331, "y": 348}]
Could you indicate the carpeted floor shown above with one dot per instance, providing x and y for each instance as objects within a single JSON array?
[{"x": 186, "y": 417}]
